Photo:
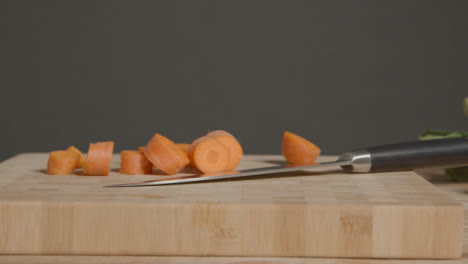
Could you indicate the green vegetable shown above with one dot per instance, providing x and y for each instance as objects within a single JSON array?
[
  {"x": 437, "y": 134},
  {"x": 457, "y": 174}
]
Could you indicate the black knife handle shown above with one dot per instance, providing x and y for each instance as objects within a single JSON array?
[{"x": 419, "y": 154}]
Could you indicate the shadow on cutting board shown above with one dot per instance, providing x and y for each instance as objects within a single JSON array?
[
  {"x": 155, "y": 172},
  {"x": 274, "y": 162}
]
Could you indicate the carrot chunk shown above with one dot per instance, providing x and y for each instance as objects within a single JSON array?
[
  {"x": 62, "y": 162},
  {"x": 141, "y": 149},
  {"x": 99, "y": 159},
  {"x": 231, "y": 143},
  {"x": 165, "y": 154},
  {"x": 134, "y": 162},
  {"x": 298, "y": 150},
  {"x": 209, "y": 155},
  {"x": 82, "y": 160},
  {"x": 186, "y": 148}
]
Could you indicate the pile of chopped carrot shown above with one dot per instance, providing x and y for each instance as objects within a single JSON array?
[
  {"x": 64, "y": 162},
  {"x": 217, "y": 151},
  {"x": 165, "y": 154}
]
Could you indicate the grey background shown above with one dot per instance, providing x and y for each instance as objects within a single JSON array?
[{"x": 345, "y": 74}]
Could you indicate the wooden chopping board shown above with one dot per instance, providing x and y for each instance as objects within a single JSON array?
[{"x": 384, "y": 215}]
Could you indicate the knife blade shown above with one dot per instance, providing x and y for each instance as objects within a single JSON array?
[{"x": 395, "y": 157}]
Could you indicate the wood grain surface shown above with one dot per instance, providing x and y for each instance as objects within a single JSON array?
[
  {"x": 28, "y": 259},
  {"x": 382, "y": 215}
]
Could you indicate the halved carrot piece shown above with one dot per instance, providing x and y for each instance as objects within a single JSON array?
[
  {"x": 134, "y": 162},
  {"x": 298, "y": 150},
  {"x": 99, "y": 159},
  {"x": 165, "y": 154},
  {"x": 62, "y": 162},
  {"x": 234, "y": 147},
  {"x": 82, "y": 160},
  {"x": 209, "y": 155}
]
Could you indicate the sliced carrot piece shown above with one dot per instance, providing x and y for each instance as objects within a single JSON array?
[
  {"x": 298, "y": 150},
  {"x": 186, "y": 148},
  {"x": 209, "y": 155},
  {"x": 134, "y": 162},
  {"x": 165, "y": 154},
  {"x": 62, "y": 162},
  {"x": 142, "y": 151},
  {"x": 234, "y": 147},
  {"x": 99, "y": 159},
  {"x": 82, "y": 160}
]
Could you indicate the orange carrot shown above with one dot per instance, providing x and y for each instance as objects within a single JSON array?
[
  {"x": 186, "y": 148},
  {"x": 99, "y": 158},
  {"x": 234, "y": 147},
  {"x": 62, "y": 162},
  {"x": 165, "y": 154},
  {"x": 82, "y": 160},
  {"x": 141, "y": 149},
  {"x": 134, "y": 162},
  {"x": 209, "y": 155},
  {"x": 298, "y": 150}
]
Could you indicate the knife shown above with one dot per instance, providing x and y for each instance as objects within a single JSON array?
[{"x": 451, "y": 152}]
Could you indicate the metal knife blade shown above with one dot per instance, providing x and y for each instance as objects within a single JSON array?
[{"x": 236, "y": 174}]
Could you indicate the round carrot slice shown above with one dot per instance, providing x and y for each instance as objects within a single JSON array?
[
  {"x": 99, "y": 159},
  {"x": 209, "y": 155},
  {"x": 134, "y": 162},
  {"x": 62, "y": 162},
  {"x": 165, "y": 154},
  {"x": 82, "y": 160},
  {"x": 234, "y": 147},
  {"x": 298, "y": 150}
]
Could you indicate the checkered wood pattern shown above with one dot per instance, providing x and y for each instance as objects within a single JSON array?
[{"x": 330, "y": 214}]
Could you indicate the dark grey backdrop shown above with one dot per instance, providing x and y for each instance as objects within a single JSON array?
[{"x": 345, "y": 74}]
